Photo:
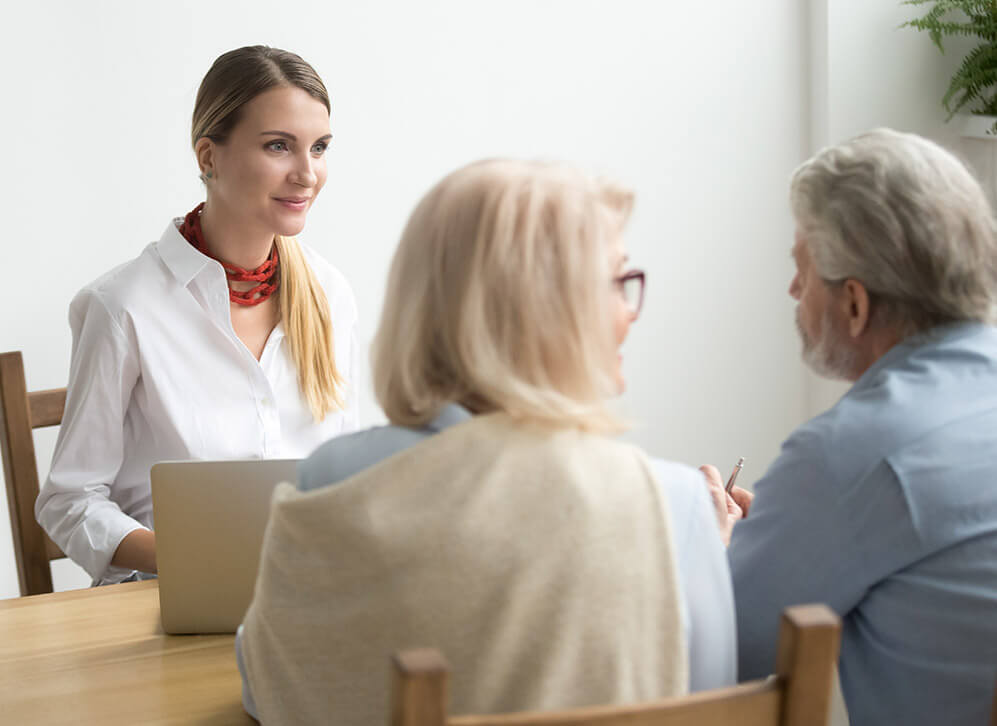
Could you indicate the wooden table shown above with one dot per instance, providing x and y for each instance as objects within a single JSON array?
[{"x": 99, "y": 656}]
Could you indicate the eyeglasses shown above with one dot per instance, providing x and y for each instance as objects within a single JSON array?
[{"x": 631, "y": 287}]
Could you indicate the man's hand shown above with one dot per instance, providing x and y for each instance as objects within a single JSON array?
[{"x": 729, "y": 507}]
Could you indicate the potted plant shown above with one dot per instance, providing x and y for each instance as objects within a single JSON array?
[{"x": 973, "y": 87}]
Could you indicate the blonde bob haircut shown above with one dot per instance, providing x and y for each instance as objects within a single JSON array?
[
  {"x": 499, "y": 298},
  {"x": 235, "y": 79}
]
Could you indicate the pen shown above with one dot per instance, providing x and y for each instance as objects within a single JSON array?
[{"x": 733, "y": 476}]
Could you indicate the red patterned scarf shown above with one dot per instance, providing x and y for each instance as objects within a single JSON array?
[{"x": 267, "y": 274}]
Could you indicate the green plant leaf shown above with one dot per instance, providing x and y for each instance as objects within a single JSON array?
[{"x": 974, "y": 83}]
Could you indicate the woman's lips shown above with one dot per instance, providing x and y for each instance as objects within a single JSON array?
[{"x": 297, "y": 204}]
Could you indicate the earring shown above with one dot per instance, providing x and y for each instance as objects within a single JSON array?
[{"x": 208, "y": 174}]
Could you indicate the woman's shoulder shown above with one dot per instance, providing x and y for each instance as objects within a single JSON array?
[
  {"x": 675, "y": 474},
  {"x": 685, "y": 489},
  {"x": 117, "y": 288},
  {"x": 683, "y": 485},
  {"x": 592, "y": 451},
  {"x": 342, "y": 457}
]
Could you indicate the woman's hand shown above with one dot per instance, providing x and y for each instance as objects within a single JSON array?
[{"x": 729, "y": 507}]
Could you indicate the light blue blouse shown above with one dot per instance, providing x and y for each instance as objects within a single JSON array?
[{"x": 704, "y": 578}]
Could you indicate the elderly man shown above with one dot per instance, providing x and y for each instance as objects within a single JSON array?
[{"x": 885, "y": 506}]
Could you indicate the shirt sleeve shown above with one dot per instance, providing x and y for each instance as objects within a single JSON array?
[
  {"x": 707, "y": 596},
  {"x": 74, "y": 505},
  {"x": 247, "y": 692},
  {"x": 810, "y": 538}
]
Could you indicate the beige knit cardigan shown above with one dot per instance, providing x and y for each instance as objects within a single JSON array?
[{"x": 540, "y": 562}]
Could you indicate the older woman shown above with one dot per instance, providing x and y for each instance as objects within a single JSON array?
[{"x": 495, "y": 518}]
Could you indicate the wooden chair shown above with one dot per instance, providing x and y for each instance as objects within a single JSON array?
[
  {"x": 20, "y": 413},
  {"x": 798, "y": 695}
]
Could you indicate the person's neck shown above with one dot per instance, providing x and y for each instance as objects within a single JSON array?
[
  {"x": 877, "y": 343},
  {"x": 233, "y": 240}
]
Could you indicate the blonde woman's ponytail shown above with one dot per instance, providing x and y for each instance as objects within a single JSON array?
[{"x": 304, "y": 312}]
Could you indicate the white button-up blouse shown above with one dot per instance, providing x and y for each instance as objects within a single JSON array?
[{"x": 158, "y": 373}]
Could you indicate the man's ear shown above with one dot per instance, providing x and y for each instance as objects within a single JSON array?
[
  {"x": 204, "y": 152},
  {"x": 855, "y": 305}
]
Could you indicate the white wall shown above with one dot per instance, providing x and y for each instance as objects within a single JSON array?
[{"x": 700, "y": 106}]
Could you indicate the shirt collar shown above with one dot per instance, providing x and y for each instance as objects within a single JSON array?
[
  {"x": 904, "y": 349},
  {"x": 180, "y": 257},
  {"x": 450, "y": 415}
]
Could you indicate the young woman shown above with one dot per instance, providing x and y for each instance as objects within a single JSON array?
[
  {"x": 225, "y": 339},
  {"x": 495, "y": 518}
]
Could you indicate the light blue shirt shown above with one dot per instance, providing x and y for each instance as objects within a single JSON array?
[
  {"x": 885, "y": 508},
  {"x": 704, "y": 579}
]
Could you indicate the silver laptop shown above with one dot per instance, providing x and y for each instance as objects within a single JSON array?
[{"x": 209, "y": 519}]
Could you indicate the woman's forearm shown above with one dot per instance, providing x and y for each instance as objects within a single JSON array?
[{"x": 137, "y": 551}]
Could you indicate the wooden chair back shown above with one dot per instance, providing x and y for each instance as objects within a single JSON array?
[
  {"x": 799, "y": 694},
  {"x": 20, "y": 413}
]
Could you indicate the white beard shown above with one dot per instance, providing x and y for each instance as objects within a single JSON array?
[{"x": 828, "y": 356}]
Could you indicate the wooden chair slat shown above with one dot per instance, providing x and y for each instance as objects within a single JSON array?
[
  {"x": 799, "y": 693},
  {"x": 752, "y": 704},
  {"x": 20, "y": 413},
  {"x": 46, "y": 407}
]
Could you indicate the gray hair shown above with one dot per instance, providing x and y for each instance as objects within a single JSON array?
[{"x": 905, "y": 218}]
